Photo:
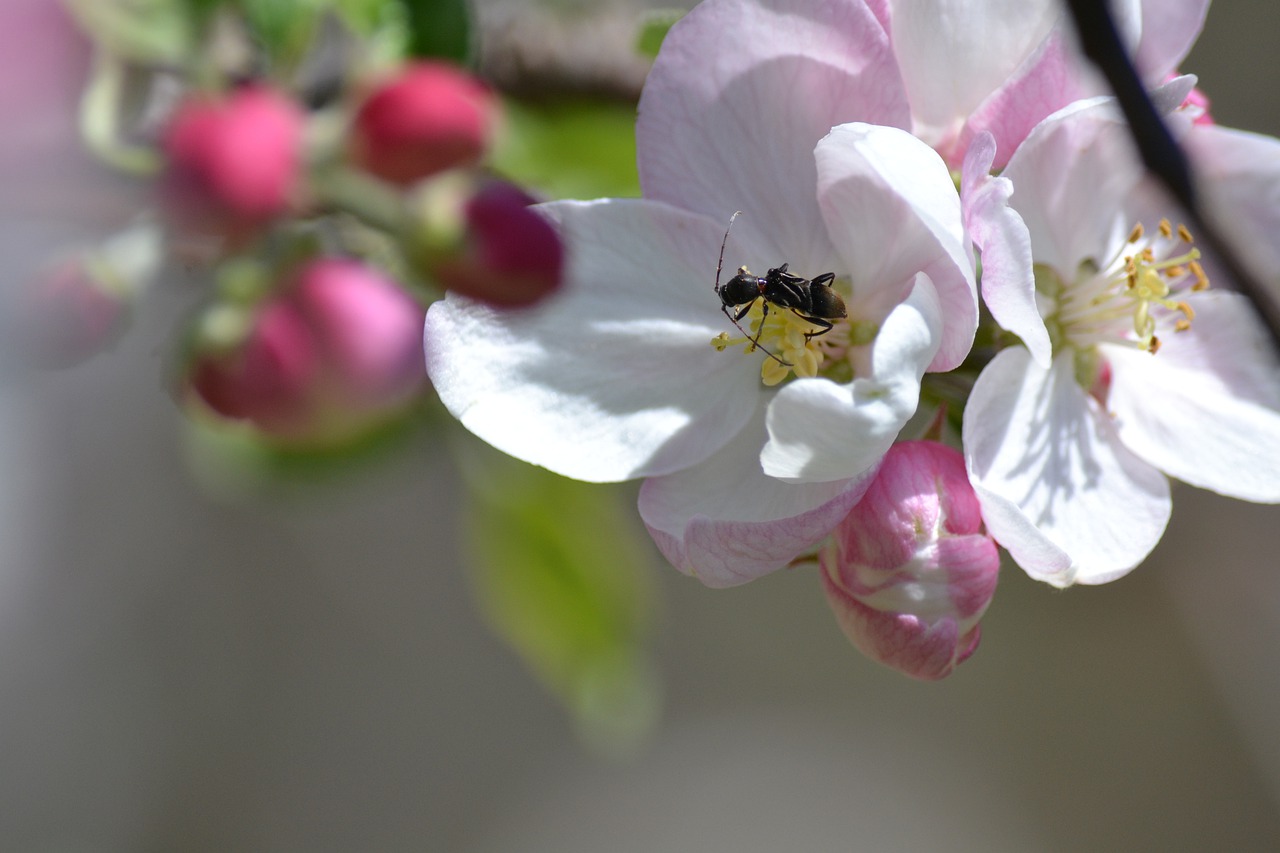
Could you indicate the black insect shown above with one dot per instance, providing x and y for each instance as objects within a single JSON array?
[{"x": 812, "y": 299}]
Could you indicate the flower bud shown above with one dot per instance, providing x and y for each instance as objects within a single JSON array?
[
  {"x": 485, "y": 242},
  {"x": 337, "y": 352},
  {"x": 429, "y": 118},
  {"x": 69, "y": 312},
  {"x": 77, "y": 306},
  {"x": 234, "y": 162},
  {"x": 909, "y": 573}
]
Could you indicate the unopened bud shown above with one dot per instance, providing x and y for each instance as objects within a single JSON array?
[
  {"x": 485, "y": 242},
  {"x": 337, "y": 352},
  {"x": 68, "y": 312},
  {"x": 429, "y": 118},
  {"x": 77, "y": 306},
  {"x": 234, "y": 162},
  {"x": 909, "y": 571}
]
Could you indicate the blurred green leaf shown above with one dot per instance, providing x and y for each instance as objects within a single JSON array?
[
  {"x": 579, "y": 148},
  {"x": 439, "y": 29},
  {"x": 654, "y": 28},
  {"x": 284, "y": 28},
  {"x": 562, "y": 574},
  {"x": 144, "y": 31}
]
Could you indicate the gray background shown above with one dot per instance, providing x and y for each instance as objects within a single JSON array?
[{"x": 180, "y": 672}]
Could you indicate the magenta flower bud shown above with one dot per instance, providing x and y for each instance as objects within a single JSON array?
[
  {"x": 69, "y": 312},
  {"x": 429, "y": 118},
  {"x": 909, "y": 571},
  {"x": 234, "y": 162},
  {"x": 486, "y": 243},
  {"x": 339, "y": 351}
]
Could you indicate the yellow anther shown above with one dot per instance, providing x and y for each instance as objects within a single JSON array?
[
  {"x": 1166, "y": 228},
  {"x": 1202, "y": 280},
  {"x": 1136, "y": 234},
  {"x": 1185, "y": 234}
]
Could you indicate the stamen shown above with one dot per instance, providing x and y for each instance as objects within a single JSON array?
[{"x": 1120, "y": 302}]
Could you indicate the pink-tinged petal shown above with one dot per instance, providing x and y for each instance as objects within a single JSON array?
[
  {"x": 1008, "y": 279},
  {"x": 1169, "y": 28},
  {"x": 615, "y": 377},
  {"x": 1206, "y": 407},
  {"x": 820, "y": 431},
  {"x": 724, "y": 522},
  {"x": 1071, "y": 179},
  {"x": 1239, "y": 177},
  {"x": 1050, "y": 470},
  {"x": 892, "y": 210},
  {"x": 739, "y": 96},
  {"x": 954, "y": 53},
  {"x": 1048, "y": 81}
]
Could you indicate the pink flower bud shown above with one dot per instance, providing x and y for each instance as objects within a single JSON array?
[
  {"x": 337, "y": 352},
  {"x": 234, "y": 162},
  {"x": 429, "y": 118},
  {"x": 909, "y": 572},
  {"x": 487, "y": 244},
  {"x": 68, "y": 313}
]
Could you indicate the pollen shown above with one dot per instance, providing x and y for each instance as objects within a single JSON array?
[
  {"x": 1128, "y": 299},
  {"x": 790, "y": 344}
]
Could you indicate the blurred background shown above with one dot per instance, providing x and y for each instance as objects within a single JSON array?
[{"x": 184, "y": 667}]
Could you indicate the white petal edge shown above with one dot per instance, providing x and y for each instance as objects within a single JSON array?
[
  {"x": 725, "y": 523},
  {"x": 821, "y": 431},
  {"x": 1206, "y": 407},
  {"x": 891, "y": 208},
  {"x": 1008, "y": 277},
  {"x": 614, "y": 377},
  {"x": 1054, "y": 478}
]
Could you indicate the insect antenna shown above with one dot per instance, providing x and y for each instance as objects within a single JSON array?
[{"x": 724, "y": 309}]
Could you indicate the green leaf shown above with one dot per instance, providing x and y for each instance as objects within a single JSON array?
[
  {"x": 563, "y": 575},
  {"x": 439, "y": 29},
  {"x": 144, "y": 31},
  {"x": 284, "y": 28},
  {"x": 572, "y": 148},
  {"x": 653, "y": 29}
]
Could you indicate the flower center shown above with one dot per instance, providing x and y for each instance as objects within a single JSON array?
[
  {"x": 790, "y": 344},
  {"x": 1132, "y": 295}
]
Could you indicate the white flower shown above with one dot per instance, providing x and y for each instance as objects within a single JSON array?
[
  {"x": 617, "y": 378},
  {"x": 1150, "y": 371}
]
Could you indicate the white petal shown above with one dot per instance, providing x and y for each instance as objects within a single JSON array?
[
  {"x": 739, "y": 96},
  {"x": 1050, "y": 469},
  {"x": 1071, "y": 179},
  {"x": 1239, "y": 176},
  {"x": 1206, "y": 407},
  {"x": 724, "y": 522},
  {"x": 820, "y": 431},
  {"x": 892, "y": 210},
  {"x": 1008, "y": 279},
  {"x": 614, "y": 377},
  {"x": 1169, "y": 28},
  {"x": 954, "y": 53}
]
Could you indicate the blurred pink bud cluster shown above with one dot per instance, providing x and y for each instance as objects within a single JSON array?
[
  {"x": 299, "y": 204},
  {"x": 909, "y": 572},
  {"x": 332, "y": 354}
]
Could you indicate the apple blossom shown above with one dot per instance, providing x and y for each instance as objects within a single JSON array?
[
  {"x": 634, "y": 371},
  {"x": 909, "y": 571},
  {"x": 1150, "y": 371}
]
